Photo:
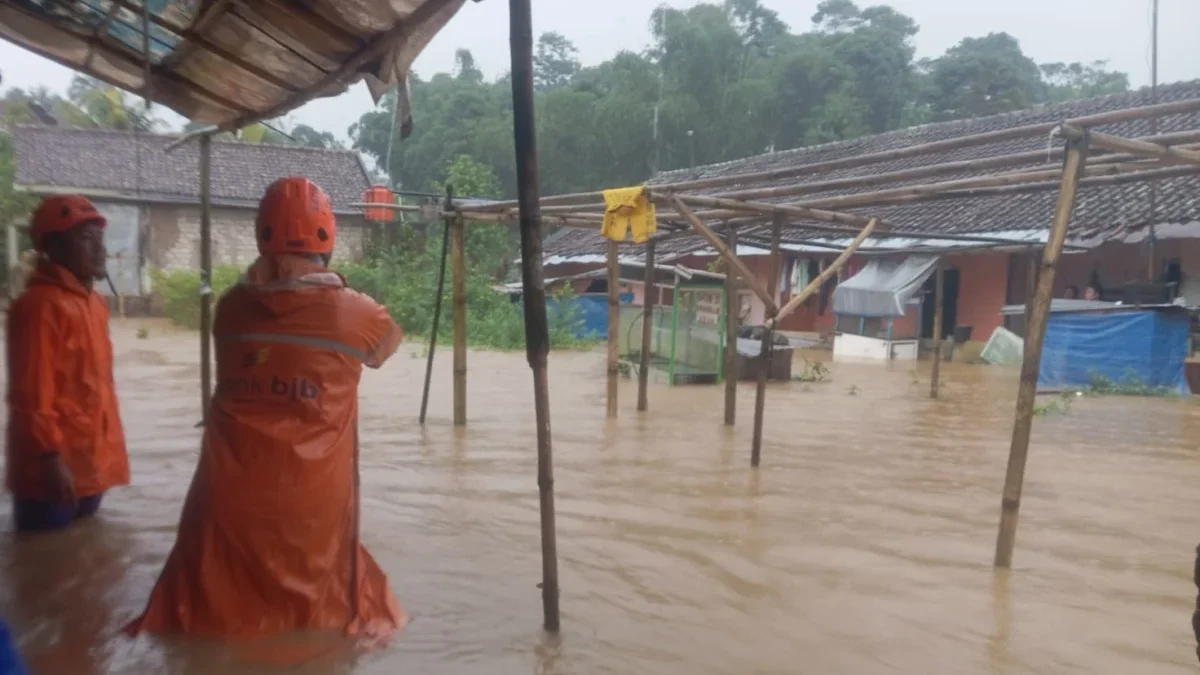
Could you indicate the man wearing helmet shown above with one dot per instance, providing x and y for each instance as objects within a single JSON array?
[
  {"x": 65, "y": 444},
  {"x": 268, "y": 541}
]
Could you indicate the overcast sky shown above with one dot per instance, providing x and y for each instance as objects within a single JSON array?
[{"x": 1049, "y": 30}]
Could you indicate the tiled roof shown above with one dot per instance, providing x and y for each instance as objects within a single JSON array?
[
  {"x": 109, "y": 161},
  {"x": 1101, "y": 211}
]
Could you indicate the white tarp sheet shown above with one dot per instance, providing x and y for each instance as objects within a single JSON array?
[{"x": 883, "y": 287}]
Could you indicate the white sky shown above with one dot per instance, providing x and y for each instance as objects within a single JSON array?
[{"x": 1049, "y": 30}]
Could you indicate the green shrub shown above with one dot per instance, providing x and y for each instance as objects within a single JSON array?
[
  {"x": 404, "y": 280},
  {"x": 179, "y": 292}
]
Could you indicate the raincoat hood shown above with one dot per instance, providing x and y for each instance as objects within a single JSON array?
[{"x": 270, "y": 274}]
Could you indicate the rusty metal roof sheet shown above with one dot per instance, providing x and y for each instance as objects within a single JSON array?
[{"x": 233, "y": 62}]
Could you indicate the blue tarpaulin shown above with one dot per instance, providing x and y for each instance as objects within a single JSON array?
[
  {"x": 591, "y": 312},
  {"x": 1140, "y": 347}
]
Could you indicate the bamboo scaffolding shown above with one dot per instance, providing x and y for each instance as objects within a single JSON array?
[
  {"x": 206, "y": 275},
  {"x": 767, "y": 348},
  {"x": 437, "y": 316},
  {"x": 939, "y": 301},
  {"x": 967, "y": 141},
  {"x": 824, "y": 276},
  {"x": 729, "y": 256},
  {"x": 537, "y": 333},
  {"x": 732, "y": 307},
  {"x": 644, "y": 362},
  {"x": 458, "y": 286},
  {"x": 1131, "y": 146},
  {"x": 614, "y": 327},
  {"x": 1035, "y": 333}
]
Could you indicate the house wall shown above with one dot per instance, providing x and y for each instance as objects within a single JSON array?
[{"x": 171, "y": 237}]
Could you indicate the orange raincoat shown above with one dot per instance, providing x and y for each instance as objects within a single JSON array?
[
  {"x": 268, "y": 540},
  {"x": 61, "y": 394}
]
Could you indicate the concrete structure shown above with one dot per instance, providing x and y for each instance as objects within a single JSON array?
[{"x": 151, "y": 197}]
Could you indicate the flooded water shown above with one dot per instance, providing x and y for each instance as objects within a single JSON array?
[{"x": 863, "y": 545}]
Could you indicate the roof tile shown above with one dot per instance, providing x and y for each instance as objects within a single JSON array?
[{"x": 123, "y": 162}]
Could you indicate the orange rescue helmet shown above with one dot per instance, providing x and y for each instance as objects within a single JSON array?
[
  {"x": 59, "y": 213},
  {"x": 295, "y": 216}
]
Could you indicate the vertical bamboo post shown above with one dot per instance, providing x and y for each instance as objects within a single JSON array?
[
  {"x": 537, "y": 334},
  {"x": 437, "y": 309},
  {"x": 647, "y": 330},
  {"x": 768, "y": 340},
  {"x": 614, "y": 325},
  {"x": 731, "y": 334},
  {"x": 458, "y": 272},
  {"x": 939, "y": 300},
  {"x": 206, "y": 293},
  {"x": 1035, "y": 335}
]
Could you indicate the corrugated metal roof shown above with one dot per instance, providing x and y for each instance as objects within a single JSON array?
[{"x": 231, "y": 63}]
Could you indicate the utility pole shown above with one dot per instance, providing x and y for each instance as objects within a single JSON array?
[{"x": 1151, "y": 240}]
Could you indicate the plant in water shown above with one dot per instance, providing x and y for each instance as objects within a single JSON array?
[
  {"x": 1130, "y": 385},
  {"x": 814, "y": 371},
  {"x": 143, "y": 333}
]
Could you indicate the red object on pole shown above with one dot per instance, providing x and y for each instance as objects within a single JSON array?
[{"x": 379, "y": 194}]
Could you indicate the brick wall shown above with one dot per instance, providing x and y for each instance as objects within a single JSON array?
[{"x": 171, "y": 237}]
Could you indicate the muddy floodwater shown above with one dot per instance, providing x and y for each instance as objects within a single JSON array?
[{"x": 863, "y": 545}]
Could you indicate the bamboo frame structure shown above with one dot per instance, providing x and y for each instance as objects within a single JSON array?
[
  {"x": 767, "y": 349},
  {"x": 939, "y": 300},
  {"x": 206, "y": 264},
  {"x": 718, "y": 210},
  {"x": 458, "y": 285},
  {"x": 537, "y": 333},
  {"x": 732, "y": 307},
  {"x": 1035, "y": 334},
  {"x": 614, "y": 328},
  {"x": 647, "y": 330},
  {"x": 437, "y": 314}
]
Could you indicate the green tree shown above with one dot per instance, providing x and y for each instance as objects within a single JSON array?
[
  {"x": 109, "y": 107},
  {"x": 306, "y": 135},
  {"x": 1067, "y": 81},
  {"x": 984, "y": 76},
  {"x": 555, "y": 61}
]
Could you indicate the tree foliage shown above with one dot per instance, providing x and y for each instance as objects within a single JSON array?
[{"x": 718, "y": 82}]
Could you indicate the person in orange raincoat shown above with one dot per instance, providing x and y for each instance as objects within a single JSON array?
[
  {"x": 65, "y": 445},
  {"x": 268, "y": 540}
]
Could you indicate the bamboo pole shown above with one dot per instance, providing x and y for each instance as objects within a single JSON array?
[
  {"x": 614, "y": 326},
  {"x": 206, "y": 292},
  {"x": 537, "y": 333},
  {"x": 939, "y": 300},
  {"x": 766, "y": 349},
  {"x": 458, "y": 285},
  {"x": 1034, "y": 338},
  {"x": 824, "y": 276},
  {"x": 644, "y": 362},
  {"x": 1131, "y": 146},
  {"x": 437, "y": 316},
  {"x": 730, "y": 257},
  {"x": 732, "y": 307}
]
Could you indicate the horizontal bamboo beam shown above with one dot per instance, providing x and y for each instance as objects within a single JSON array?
[
  {"x": 832, "y": 269},
  {"x": 1131, "y": 146},
  {"x": 735, "y": 263}
]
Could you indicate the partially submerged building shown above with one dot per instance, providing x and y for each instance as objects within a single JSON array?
[
  {"x": 1132, "y": 239},
  {"x": 152, "y": 198}
]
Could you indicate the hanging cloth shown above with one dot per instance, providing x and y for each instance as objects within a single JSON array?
[{"x": 628, "y": 209}]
